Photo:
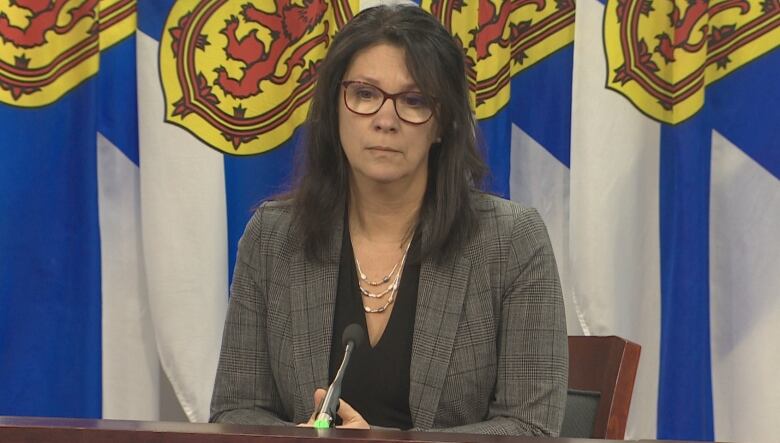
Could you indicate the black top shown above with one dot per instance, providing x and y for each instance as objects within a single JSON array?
[{"x": 376, "y": 383}]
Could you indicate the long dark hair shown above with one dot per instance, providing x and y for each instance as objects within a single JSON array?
[{"x": 455, "y": 167}]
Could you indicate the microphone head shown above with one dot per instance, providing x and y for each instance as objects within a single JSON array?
[{"x": 353, "y": 333}]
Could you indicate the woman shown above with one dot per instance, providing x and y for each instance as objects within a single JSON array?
[{"x": 458, "y": 290}]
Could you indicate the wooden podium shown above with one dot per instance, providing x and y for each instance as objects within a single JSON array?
[{"x": 61, "y": 430}]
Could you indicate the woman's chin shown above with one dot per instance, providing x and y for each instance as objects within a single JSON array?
[
  {"x": 383, "y": 174},
  {"x": 386, "y": 178}
]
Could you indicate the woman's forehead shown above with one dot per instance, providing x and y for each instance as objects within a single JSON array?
[{"x": 382, "y": 64}]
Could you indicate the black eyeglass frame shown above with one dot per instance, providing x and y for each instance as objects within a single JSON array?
[{"x": 385, "y": 96}]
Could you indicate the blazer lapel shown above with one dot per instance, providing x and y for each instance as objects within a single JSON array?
[
  {"x": 441, "y": 292},
  {"x": 312, "y": 301}
]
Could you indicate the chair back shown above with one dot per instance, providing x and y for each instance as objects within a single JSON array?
[{"x": 602, "y": 371}]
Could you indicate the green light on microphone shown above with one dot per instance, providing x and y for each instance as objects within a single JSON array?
[{"x": 321, "y": 423}]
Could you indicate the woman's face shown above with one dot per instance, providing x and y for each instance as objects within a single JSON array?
[{"x": 382, "y": 147}]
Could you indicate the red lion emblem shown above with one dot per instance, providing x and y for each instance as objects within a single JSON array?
[
  {"x": 492, "y": 25},
  {"x": 43, "y": 19},
  {"x": 51, "y": 46},
  {"x": 501, "y": 38},
  {"x": 684, "y": 26},
  {"x": 236, "y": 71},
  {"x": 699, "y": 42},
  {"x": 288, "y": 25}
]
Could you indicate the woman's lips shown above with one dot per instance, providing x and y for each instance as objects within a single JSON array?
[{"x": 383, "y": 149}]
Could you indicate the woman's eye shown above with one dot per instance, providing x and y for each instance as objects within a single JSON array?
[
  {"x": 415, "y": 100},
  {"x": 365, "y": 93}
]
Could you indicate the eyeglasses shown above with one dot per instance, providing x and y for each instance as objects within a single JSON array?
[{"x": 366, "y": 99}]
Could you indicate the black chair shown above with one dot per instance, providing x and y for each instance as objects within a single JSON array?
[{"x": 602, "y": 371}]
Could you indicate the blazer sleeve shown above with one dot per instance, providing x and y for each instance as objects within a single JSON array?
[
  {"x": 532, "y": 374},
  {"x": 244, "y": 390}
]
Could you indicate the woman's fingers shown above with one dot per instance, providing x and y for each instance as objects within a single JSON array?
[
  {"x": 319, "y": 394},
  {"x": 350, "y": 418}
]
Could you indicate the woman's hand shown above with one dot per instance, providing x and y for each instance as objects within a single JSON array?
[{"x": 350, "y": 418}]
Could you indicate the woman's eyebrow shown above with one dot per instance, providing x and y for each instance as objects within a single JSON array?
[{"x": 409, "y": 86}]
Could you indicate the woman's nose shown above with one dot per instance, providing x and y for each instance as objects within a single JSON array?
[{"x": 386, "y": 118}]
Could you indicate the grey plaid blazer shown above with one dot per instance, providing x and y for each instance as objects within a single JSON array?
[{"x": 489, "y": 352}]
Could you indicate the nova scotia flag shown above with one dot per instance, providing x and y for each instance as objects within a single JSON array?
[
  {"x": 75, "y": 333},
  {"x": 664, "y": 207}
]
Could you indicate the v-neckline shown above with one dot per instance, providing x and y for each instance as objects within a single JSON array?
[{"x": 356, "y": 290}]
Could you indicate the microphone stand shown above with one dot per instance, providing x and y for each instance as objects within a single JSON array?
[{"x": 330, "y": 404}]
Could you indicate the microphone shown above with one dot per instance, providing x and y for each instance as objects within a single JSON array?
[{"x": 352, "y": 338}]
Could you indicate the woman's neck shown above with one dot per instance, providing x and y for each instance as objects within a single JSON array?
[{"x": 384, "y": 213}]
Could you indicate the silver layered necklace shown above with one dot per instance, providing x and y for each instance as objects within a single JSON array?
[{"x": 395, "y": 274}]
